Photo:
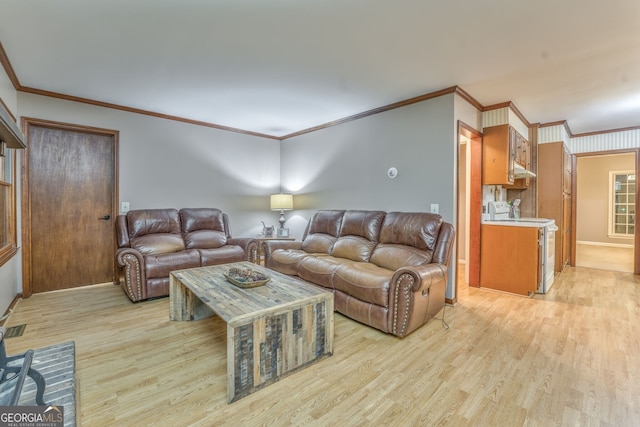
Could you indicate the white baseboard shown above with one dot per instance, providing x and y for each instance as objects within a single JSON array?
[{"x": 610, "y": 245}]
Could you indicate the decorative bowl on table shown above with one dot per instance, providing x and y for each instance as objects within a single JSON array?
[{"x": 245, "y": 277}]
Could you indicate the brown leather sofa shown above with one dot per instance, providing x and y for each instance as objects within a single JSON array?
[
  {"x": 154, "y": 242},
  {"x": 387, "y": 270}
]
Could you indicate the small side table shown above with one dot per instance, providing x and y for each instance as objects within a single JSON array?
[{"x": 260, "y": 238}]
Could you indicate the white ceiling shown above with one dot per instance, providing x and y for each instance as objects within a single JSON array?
[{"x": 281, "y": 66}]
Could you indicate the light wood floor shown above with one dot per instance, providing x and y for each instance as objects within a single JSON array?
[
  {"x": 604, "y": 257},
  {"x": 568, "y": 358}
]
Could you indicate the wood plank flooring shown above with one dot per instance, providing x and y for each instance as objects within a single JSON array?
[
  {"x": 604, "y": 257},
  {"x": 568, "y": 358}
]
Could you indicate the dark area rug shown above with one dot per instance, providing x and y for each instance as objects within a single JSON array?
[{"x": 58, "y": 366}]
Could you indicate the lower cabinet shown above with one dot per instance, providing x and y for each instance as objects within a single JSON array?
[{"x": 511, "y": 258}]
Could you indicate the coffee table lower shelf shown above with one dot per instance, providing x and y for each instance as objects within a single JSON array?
[{"x": 272, "y": 331}]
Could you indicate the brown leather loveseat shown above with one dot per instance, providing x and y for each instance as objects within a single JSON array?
[
  {"x": 387, "y": 270},
  {"x": 154, "y": 242}
]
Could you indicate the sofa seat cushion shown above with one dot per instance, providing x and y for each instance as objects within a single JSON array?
[
  {"x": 319, "y": 269},
  {"x": 355, "y": 248},
  {"x": 224, "y": 255},
  {"x": 205, "y": 239},
  {"x": 393, "y": 257},
  {"x": 364, "y": 281},
  {"x": 160, "y": 265},
  {"x": 286, "y": 261},
  {"x": 318, "y": 243},
  {"x": 159, "y": 243}
]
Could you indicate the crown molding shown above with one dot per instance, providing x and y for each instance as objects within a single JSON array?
[
  {"x": 373, "y": 111},
  {"x": 65, "y": 97},
  {"x": 8, "y": 68},
  {"x": 603, "y": 132}
]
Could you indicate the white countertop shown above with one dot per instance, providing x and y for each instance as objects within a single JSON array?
[{"x": 521, "y": 222}]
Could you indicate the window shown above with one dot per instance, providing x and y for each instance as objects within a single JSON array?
[
  {"x": 622, "y": 207},
  {"x": 7, "y": 206}
]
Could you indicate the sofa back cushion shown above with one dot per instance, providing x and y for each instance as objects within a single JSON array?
[
  {"x": 151, "y": 221},
  {"x": 194, "y": 219},
  {"x": 407, "y": 239},
  {"x": 358, "y": 235},
  {"x": 154, "y": 231},
  {"x": 203, "y": 228},
  {"x": 322, "y": 231}
]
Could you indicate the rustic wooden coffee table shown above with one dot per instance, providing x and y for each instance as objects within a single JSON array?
[{"x": 272, "y": 330}]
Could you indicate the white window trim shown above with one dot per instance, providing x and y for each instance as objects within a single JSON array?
[{"x": 610, "y": 217}]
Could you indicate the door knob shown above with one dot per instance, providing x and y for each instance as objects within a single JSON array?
[{"x": 106, "y": 217}]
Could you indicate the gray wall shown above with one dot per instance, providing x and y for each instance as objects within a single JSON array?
[
  {"x": 345, "y": 166},
  {"x": 164, "y": 163},
  {"x": 171, "y": 164}
]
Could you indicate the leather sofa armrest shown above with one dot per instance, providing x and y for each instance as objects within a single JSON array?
[
  {"x": 249, "y": 245},
  {"x": 416, "y": 295},
  {"x": 122, "y": 232},
  {"x": 268, "y": 246},
  {"x": 426, "y": 275},
  {"x": 132, "y": 275}
]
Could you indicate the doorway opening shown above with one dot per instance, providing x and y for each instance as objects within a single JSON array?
[
  {"x": 469, "y": 207},
  {"x": 606, "y": 211}
]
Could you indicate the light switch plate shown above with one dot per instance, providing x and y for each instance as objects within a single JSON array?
[
  {"x": 124, "y": 207},
  {"x": 435, "y": 208}
]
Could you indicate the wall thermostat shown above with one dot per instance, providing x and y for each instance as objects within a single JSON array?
[{"x": 392, "y": 173}]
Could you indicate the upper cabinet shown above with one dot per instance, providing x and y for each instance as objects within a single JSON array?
[{"x": 502, "y": 148}]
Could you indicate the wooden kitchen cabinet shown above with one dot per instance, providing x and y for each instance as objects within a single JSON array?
[
  {"x": 502, "y": 147},
  {"x": 555, "y": 168},
  {"x": 498, "y": 155},
  {"x": 511, "y": 258},
  {"x": 523, "y": 157},
  {"x": 567, "y": 168}
]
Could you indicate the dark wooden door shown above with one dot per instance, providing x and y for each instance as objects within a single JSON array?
[{"x": 71, "y": 182}]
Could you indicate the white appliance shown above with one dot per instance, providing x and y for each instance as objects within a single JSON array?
[
  {"x": 549, "y": 250},
  {"x": 499, "y": 213}
]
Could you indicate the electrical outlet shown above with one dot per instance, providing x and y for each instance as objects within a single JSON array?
[
  {"x": 124, "y": 207},
  {"x": 435, "y": 208}
]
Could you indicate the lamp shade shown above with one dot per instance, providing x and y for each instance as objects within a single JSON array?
[{"x": 281, "y": 202}]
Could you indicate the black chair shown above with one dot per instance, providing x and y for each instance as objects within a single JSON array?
[{"x": 13, "y": 377}]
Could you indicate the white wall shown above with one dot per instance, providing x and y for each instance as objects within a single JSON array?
[
  {"x": 10, "y": 283},
  {"x": 345, "y": 166},
  {"x": 10, "y": 272}
]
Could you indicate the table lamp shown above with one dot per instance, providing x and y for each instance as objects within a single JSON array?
[{"x": 281, "y": 202}]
